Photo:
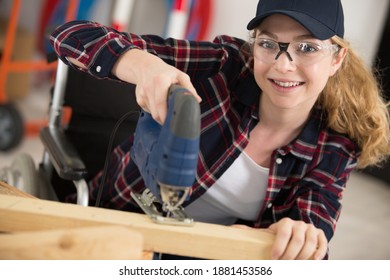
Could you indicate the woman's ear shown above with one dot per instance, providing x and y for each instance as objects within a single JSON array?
[{"x": 338, "y": 60}]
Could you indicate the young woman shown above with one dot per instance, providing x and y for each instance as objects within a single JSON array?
[{"x": 286, "y": 117}]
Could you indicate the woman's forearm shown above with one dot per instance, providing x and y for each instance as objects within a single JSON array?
[{"x": 133, "y": 64}]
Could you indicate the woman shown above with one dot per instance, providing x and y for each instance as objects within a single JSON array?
[{"x": 286, "y": 117}]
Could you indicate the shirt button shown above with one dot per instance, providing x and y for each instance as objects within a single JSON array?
[
  {"x": 98, "y": 69},
  {"x": 269, "y": 205},
  {"x": 279, "y": 161}
]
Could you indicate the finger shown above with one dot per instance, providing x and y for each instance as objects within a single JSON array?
[
  {"x": 322, "y": 247},
  {"x": 160, "y": 99},
  {"x": 296, "y": 241},
  {"x": 161, "y": 109},
  {"x": 310, "y": 244},
  {"x": 140, "y": 98},
  {"x": 282, "y": 239},
  {"x": 185, "y": 81},
  {"x": 158, "y": 107}
]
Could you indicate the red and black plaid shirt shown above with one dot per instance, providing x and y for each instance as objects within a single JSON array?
[{"x": 306, "y": 177}]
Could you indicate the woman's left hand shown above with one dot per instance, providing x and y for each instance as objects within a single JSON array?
[{"x": 297, "y": 240}]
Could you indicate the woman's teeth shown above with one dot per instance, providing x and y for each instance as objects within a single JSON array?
[{"x": 287, "y": 84}]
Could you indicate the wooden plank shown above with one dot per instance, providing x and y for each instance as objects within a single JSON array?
[
  {"x": 88, "y": 243},
  {"x": 10, "y": 190},
  {"x": 201, "y": 240}
]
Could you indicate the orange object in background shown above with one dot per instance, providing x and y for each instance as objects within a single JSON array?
[{"x": 12, "y": 127}]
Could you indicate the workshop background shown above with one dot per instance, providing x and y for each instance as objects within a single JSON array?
[{"x": 364, "y": 225}]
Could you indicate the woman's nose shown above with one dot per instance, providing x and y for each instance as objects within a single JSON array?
[{"x": 284, "y": 62}]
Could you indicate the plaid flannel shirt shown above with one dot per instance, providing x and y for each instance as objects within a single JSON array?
[{"x": 306, "y": 177}]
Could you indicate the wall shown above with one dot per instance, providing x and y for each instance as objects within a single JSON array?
[
  {"x": 30, "y": 12},
  {"x": 364, "y": 24},
  {"x": 364, "y": 21},
  {"x": 363, "y": 18}
]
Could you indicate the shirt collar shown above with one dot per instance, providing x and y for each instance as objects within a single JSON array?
[{"x": 305, "y": 145}]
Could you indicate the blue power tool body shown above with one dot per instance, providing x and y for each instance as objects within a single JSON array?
[{"x": 167, "y": 156}]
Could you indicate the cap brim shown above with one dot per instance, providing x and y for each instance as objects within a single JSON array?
[{"x": 316, "y": 28}]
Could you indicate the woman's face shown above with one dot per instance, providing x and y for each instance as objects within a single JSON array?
[{"x": 288, "y": 84}]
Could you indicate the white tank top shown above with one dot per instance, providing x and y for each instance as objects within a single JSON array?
[{"x": 238, "y": 194}]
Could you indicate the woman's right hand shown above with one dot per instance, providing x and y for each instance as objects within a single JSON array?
[{"x": 153, "y": 78}]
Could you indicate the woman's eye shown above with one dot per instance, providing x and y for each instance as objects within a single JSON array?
[
  {"x": 266, "y": 44},
  {"x": 307, "y": 48}
]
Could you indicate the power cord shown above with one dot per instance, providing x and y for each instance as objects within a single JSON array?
[{"x": 108, "y": 153}]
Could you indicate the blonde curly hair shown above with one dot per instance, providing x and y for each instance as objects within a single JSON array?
[{"x": 353, "y": 101}]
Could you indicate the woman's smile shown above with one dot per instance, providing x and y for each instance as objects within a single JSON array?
[{"x": 283, "y": 85}]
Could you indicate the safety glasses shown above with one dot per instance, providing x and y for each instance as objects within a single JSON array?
[{"x": 300, "y": 52}]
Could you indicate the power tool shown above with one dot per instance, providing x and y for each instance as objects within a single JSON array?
[{"x": 167, "y": 156}]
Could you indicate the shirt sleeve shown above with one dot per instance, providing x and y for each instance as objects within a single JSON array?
[
  {"x": 98, "y": 47},
  {"x": 320, "y": 203},
  {"x": 92, "y": 44},
  {"x": 316, "y": 197}
]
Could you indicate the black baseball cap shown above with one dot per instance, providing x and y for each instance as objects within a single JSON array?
[{"x": 323, "y": 18}]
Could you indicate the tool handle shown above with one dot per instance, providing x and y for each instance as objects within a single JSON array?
[
  {"x": 179, "y": 139},
  {"x": 168, "y": 154},
  {"x": 183, "y": 113}
]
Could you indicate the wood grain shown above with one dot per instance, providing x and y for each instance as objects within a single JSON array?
[
  {"x": 201, "y": 240},
  {"x": 92, "y": 243}
]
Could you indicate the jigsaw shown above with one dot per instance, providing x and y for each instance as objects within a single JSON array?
[{"x": 167, "y": 156}]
